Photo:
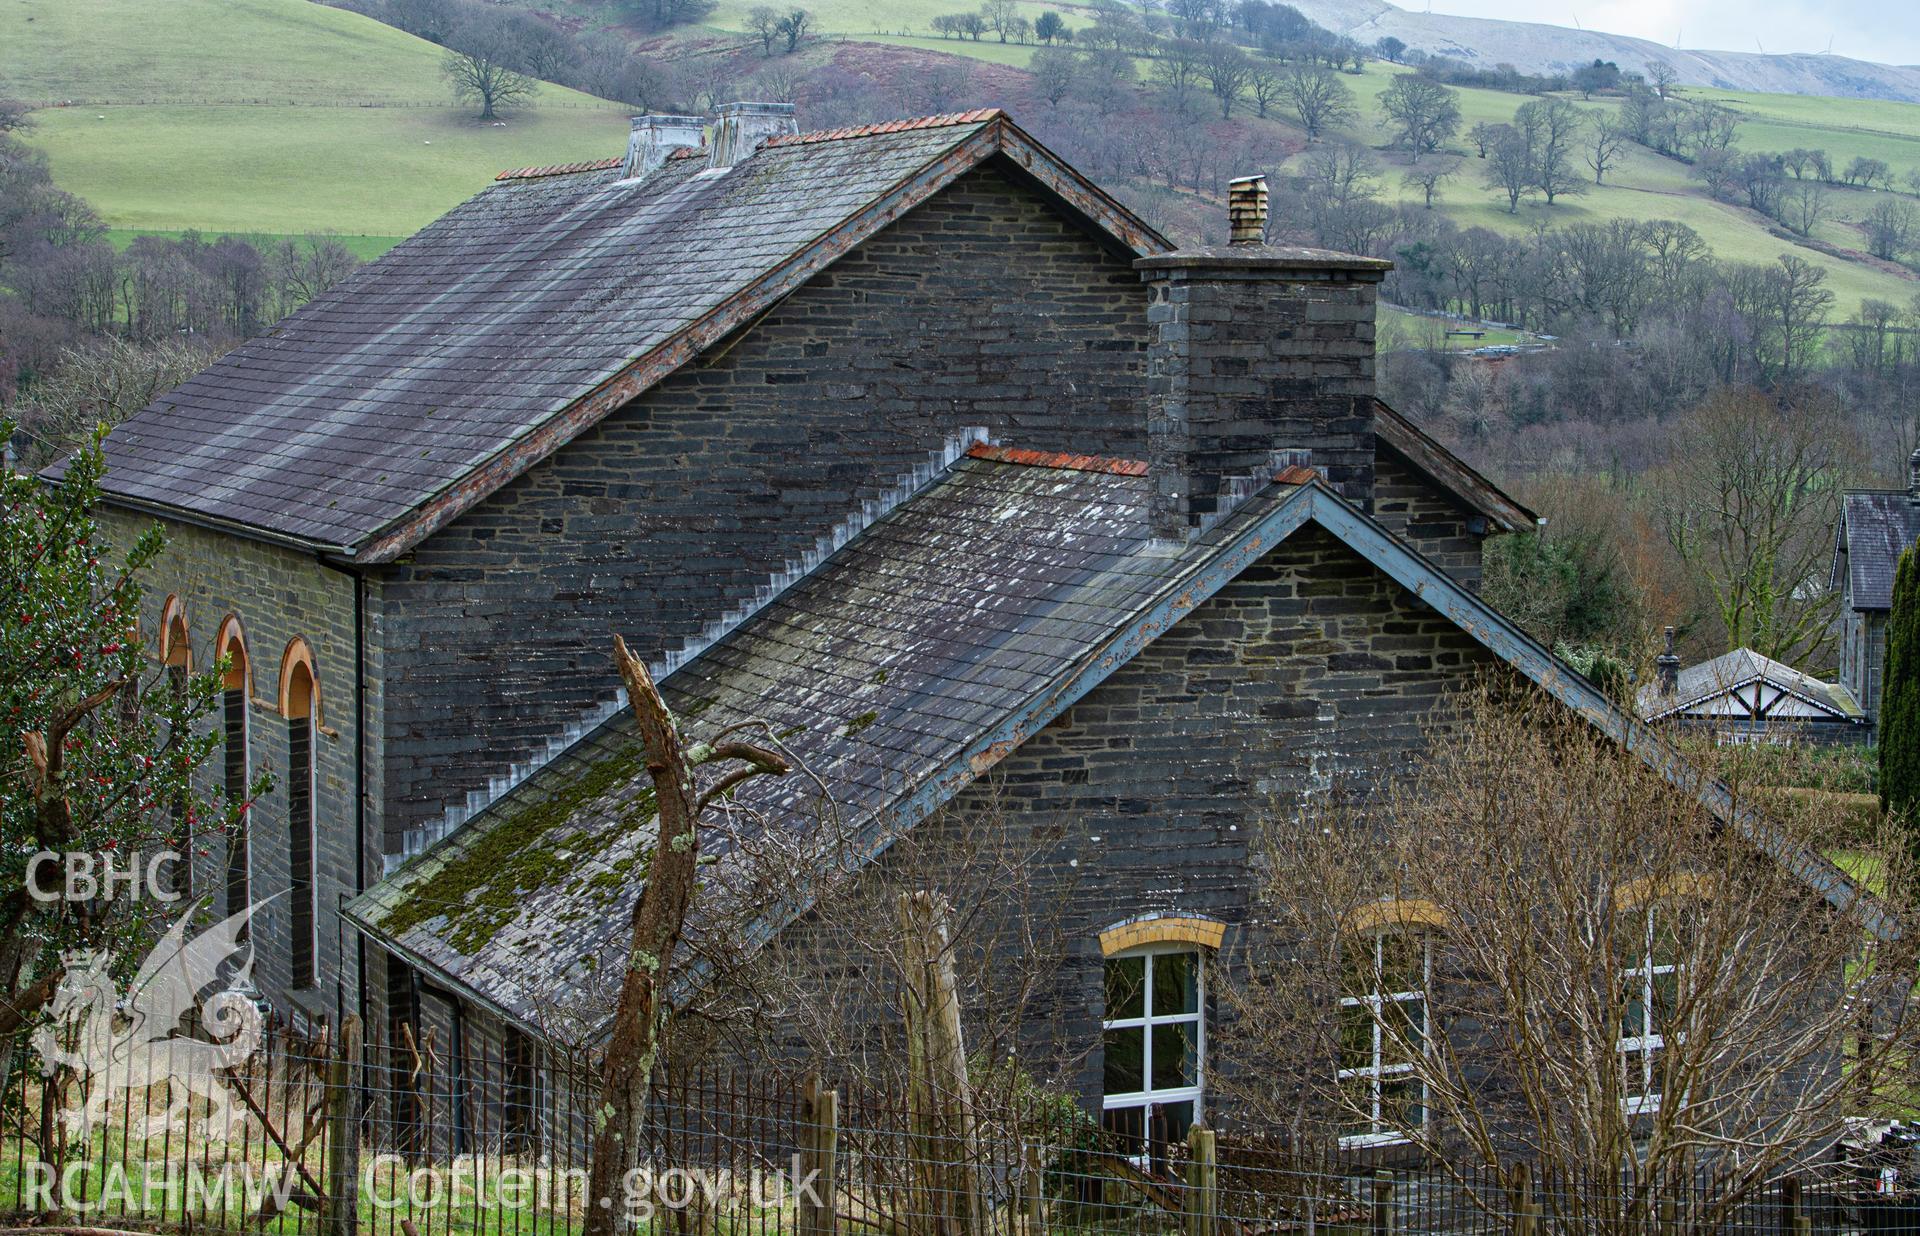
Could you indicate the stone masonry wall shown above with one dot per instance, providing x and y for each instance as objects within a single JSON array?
[
  {"x": 1144, "y": 797},
  {"x": 278, "y": 594},
  {"x": 1427, "y": 518},
  {"x": 1245, "y": 359},
  {"x": 981, "y": 307}
]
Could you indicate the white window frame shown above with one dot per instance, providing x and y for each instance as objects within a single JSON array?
[
  {"x": 1377, "y": 1072},
  {"x": 1149, "y": 1097},
  {"x": 1642, "y": 1099}
]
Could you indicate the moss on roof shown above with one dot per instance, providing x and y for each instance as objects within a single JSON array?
[{"x": 479, "y": 888}]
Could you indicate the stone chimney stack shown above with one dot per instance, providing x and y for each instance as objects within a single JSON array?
[
  {"x": 1256, "y": 348},
  {"x": 1666, "y": 668},
  {"x": 744, "y": 127},
  {"x": 655, "y": 137},
  {"x": 1913, "y": 478}
]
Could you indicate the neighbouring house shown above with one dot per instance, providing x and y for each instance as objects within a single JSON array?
[
  {"x": 1743, "y": 697},
  {"x": 1875, "y": 527},
  {"x": 632, "y": 395}
]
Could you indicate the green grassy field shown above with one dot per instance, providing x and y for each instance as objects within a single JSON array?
[
  {"x": 180, "y": 122},
  {"x": 1644, "y": 185},
  {"x": 1648, "y": 186}
]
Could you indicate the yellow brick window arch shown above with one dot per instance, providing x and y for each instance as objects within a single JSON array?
[
  {"x": 1153, "y": 1026},
  {"x": 1384, "y": 1016}
]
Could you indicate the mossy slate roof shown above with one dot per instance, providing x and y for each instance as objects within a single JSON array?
[
  {"x": 880, "y": 671},
  {"x": 458, "y": 358}
]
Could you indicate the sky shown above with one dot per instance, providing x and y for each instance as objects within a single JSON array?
[{"x": 1887, "y": 31}]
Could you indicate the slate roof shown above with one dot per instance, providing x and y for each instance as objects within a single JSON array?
[
  {"x": 908, "y": 664},
  {"x": 883, "y": 670},
  {"x": 473, "y": 349},
  {"x": 1875, "y": 527},
  {"x": 1732, "y": 670}
]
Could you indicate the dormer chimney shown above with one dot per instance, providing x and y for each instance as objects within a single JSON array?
[
  {"x": 1666, "y": 668},
  {"x": 1913, "y": 478},
  {"x": 655, "y": 137},
  {"x": 744, "y": 127}
]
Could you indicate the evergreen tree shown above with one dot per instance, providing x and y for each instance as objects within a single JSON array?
[{"x": 1900, "y": 696}]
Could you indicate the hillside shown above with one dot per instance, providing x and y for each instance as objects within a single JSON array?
[
  {"x": 1533, "y": 47},
  {"x": 180, "y": 118},
  {"x": 1644, "y": 186}
]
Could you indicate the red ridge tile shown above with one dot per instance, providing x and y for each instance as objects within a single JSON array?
[
  {"x": 1064, "y": 460},
  {"x": 559, "y": 169}
]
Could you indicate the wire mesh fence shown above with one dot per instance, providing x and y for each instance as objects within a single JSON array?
[{"x": 451, "y": 1129}]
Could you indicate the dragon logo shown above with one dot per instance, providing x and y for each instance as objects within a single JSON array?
[{"x": 140, "y": 1042}]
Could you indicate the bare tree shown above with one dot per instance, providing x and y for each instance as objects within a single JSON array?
[
  {"x": 1425, "y": 114},
  {"x": 1317, "y": 96},
  {"x": 777, "y": 83},
  {"x": 101, "y": 385},
  {"x": 1055, "y": 70},
  {"x": 1509, "y": 165},
  {"x": 764, "y": 21},
  {"x": 486, "y": 71},
  {"x": 1709, "y": 126},
  {"x": 1265, "y": 85},
  {"x": 1000, "y": 15},
  {"x": 1535, "y": 947},
  {"x": 1663, "y": 77},
  {"x": 1427, "y": 179},
  {"x": 1803, "y": 206},
  {"x": 1226, "y": 69},
  {"x": 1891, "y": 227},
  {"x": 1748, "y": 501},
  {"x": 1551, "y": 127},
  {"x": 1178, "y": 70},
  {"x": 303, "y": 268},
  {"x": 659, "y": 922},
  {"x": 1607, "y": 137}
]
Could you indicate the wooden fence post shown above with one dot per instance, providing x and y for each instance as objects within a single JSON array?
[
  {"x": 1380, "y": 1211},
  {"x": 819, "y": 1155},
  {"x": 343, "y": 1133},
  {"x": 1794, "y": 1220},
  {"x": 1203, "y": 1180},
  {"x": 1033, "y": 1188},
  {"x": 1526, "y": 1208},
  {"x": 948, "y": 1197}
]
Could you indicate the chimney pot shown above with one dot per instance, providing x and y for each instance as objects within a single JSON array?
[
  {"x": 1247, "y": 210},
  {"x": 743, "y": 128},
  {"x": 1667, "y": 668},
  {"x": 1913, "y": 478},
  {"x": 654, "y": 137}
]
